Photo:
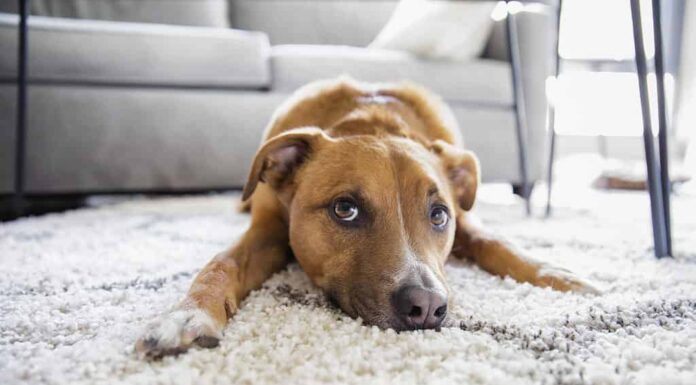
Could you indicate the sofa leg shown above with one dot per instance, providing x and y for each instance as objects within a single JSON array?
[
  {"x": 520, "y": 190},
  {"x": 18, "y": 204}
]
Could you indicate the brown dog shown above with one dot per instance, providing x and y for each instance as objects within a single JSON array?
[{"x": 368, "y": 187}]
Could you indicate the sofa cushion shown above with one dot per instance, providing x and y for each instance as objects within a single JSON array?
[
  {"x": 203, "y": 13},
  {"x": 88, "y": 51},
  {"x": 480, "y": 81},
  {"x": 341, "y": 22}
]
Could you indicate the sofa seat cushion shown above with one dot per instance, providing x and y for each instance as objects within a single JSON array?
[
  {"x": 88, "y": 51},
  {"x": 480, "y": 81}
]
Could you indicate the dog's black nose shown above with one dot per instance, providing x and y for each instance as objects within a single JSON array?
[{"x": 420, "y": 308}]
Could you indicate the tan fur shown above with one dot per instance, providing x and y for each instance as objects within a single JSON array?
[{"x": 398, "y": 148}]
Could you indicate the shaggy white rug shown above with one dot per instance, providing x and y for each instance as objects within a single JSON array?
[{"x": 77, "y": 288}]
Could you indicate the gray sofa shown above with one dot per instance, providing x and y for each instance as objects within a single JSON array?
[{"x": 122, "y": 106}]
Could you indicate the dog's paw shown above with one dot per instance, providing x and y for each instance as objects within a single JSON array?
[
  {"x": 564, "y": 280},
  {"x": 177, "y": 331}
]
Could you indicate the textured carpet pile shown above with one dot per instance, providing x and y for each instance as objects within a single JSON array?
[{"x": 77, "y": 288}]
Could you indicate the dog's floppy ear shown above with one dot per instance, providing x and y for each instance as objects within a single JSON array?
[
  {"x": 278, "y": 158},
  {"x": 462, "y": 169}
]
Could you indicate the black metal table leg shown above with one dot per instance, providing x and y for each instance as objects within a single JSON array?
[
  {"x": 519, "y": 107},
  {"x": 552, "y": 157},
  {"x": 662, "y": 121},
  {"x": 551, "y": 121},
  {"x": 654, "y": 187},
  {"x": 21, "y": 121}
]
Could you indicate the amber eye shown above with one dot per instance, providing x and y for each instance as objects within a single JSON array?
[
  {"x": 345, "y": 210},
  {"x": 439, "y": 216}
]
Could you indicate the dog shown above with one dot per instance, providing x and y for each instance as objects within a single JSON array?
[{"x": 369, "y": 187}]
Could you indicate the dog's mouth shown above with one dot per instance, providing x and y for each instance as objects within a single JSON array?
[
  {"x": 363, "y": 307},
  {"x": 383, "y": 312},
  {"x": 371, "y": 313}
]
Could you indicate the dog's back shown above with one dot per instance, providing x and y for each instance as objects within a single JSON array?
[{"x": 343, "y": 106}]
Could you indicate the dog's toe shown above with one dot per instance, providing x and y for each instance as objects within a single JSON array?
[
  {"x": 207, "y": 342},
  {"x": 149, "y": 348},
  {"x": 176, "y": 332},
  {"x": 149, "y": 343}
]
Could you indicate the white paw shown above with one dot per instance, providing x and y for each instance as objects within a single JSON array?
[
  {"x": 177, "y": 331},
  {"x": 564, "y": 280}
]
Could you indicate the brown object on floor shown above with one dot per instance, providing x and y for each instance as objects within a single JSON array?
[{"x": 631, "y": 179}]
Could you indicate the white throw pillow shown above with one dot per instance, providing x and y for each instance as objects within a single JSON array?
[{"x": 438, "y": 29}]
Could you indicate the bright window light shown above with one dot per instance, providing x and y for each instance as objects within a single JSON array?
[
  {"x": 601, "y": 29},
  {"x": 602, "y": 103}
]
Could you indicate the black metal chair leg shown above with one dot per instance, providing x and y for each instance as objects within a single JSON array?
[
  {"x": 654, "y": 187},
  {"x": 520, "y": 111},
  {"x": 662, "y": 121},
  {"x": 20, "y": 133},
  {"x": 551, "y": 121}
]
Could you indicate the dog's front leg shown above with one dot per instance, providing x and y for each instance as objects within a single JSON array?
[
  {"x": 500, "y": 257},
  {"x": 218, "y": 290}
]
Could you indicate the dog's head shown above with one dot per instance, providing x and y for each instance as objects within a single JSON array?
[{"x": 371, "y": 219}]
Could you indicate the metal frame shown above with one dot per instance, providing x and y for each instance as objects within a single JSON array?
[
  {"x": 662, "y": 122},
  {"x": 551, "y": 118},
  {"x": 658, "y": 189},
  {"x": 519, "y": 106},
  {"x": 21, "y": 118}
]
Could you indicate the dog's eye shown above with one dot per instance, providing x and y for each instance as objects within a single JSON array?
[
  {"x": 345, "y": 210},
  {"x": 439, "y": 216}
]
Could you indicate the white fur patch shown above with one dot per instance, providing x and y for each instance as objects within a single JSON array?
[
  {"x": 435, "y": 280},
  {"x": 579, "y": 285},
  {"x": 180, "y": 327}
]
